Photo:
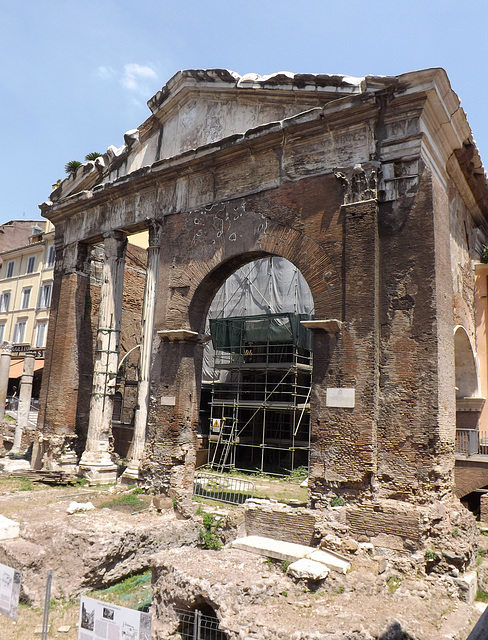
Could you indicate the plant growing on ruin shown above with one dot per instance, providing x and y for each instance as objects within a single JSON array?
[
  {"x": 71, "y": 166},
  {"x": 484, "y": 254},
  {"x": 93, "y": 155},
  {"x": 393, "y": 583},
  {"x": 209, "y": 536},
  {"x": 455, "y": 532},
  {"x": 337, "y": 501},
  {"x": 430, "y": 555}
]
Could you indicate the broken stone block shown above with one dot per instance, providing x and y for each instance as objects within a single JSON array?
[
  {"x": 382, "y": 564},
  {"x": 79, "y": 507},
  {"x": 388, "y": 541},
  {"x": 306, "y": 569},
  {"x": 9, "y": 529},
  {"x": 278, "y": 549},
  {"x": 367, "y": 547},
  {"x": 332, "y": 560},
  {"x": 467, "y": 586},
  {"x": 162, "y": 502},
  {"x": 64, "y": 629},
  {"x": 351, "y": 546}
]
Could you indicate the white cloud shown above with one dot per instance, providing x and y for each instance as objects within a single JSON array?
[{"x": 134, "y": 76}]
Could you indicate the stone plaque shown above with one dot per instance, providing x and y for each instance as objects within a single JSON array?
[
  {"x": 341, "y": 397},
  {"x": 168, "y": 401}
]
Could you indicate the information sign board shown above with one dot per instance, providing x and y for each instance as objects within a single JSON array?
[
  {"x": 9, "y": 591},
  {"x": 104, "y": 621}
]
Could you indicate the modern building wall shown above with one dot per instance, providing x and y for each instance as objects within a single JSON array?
[{"x": 26, "y": 280}]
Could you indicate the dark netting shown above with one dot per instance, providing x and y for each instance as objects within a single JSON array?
[{"x": 232, "y": 334}]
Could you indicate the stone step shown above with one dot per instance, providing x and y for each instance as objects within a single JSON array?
[{"x": 291, "y": 552}]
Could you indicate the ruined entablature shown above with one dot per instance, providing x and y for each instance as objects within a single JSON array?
[{"x": 200, "y": 117}]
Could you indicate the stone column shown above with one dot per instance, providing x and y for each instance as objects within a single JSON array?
[
  {"x": 96, "y": 461},
  {"x": 5, "y": 357},
  {"x": 131, "y": 474},
  {"x": 68, "y": 360},
  {"x": 25, "y": 396}
]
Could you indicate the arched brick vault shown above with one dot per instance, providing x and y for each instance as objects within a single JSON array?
[
  {"x": 202, "y": 248},
  {"x": 308, "y": 256}
]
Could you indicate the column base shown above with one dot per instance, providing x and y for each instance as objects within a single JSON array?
[
  {"x": 98, "y": 469},
  {"x": 131, "y": 475}
]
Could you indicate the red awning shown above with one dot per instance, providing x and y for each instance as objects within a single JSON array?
[{"x": 17, "y": 366}]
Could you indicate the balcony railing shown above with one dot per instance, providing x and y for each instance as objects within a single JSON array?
[{"x": 470, "y": 442}]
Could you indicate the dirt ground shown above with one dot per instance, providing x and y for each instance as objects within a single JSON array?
[{"x": 259, "y": 589}]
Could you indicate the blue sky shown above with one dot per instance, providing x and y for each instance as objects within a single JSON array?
[{"x": 74, "y": 76}]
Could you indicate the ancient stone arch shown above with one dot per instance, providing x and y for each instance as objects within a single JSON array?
[
  {"x": 346, "y": 189},
  {"x": 467, "y": 385},
  {"x": 469, "y": 402}
]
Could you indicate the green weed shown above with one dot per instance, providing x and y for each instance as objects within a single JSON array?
[
  {"x": 209, "y": 537},
  {"x": 481, "y": 596},
  {"x": 337, "y": 501},
  {"x": 25, "y": 484},
  {"x": 393, "y": 583}
]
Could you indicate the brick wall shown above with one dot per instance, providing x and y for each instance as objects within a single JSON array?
[{"x": 290, "y": 526}]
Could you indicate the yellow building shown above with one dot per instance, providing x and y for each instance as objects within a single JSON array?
[{"x": 26, "y": 281}]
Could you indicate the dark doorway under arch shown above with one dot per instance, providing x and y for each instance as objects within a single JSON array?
[{"x": 255, "y": 407}]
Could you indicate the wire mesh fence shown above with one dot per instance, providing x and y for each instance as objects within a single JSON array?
[
  {"x": 222, "y": 488},
  {"x": 196, "y": 626}
]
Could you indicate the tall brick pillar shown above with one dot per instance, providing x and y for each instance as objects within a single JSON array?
[
  {"x": 174, "y": 412},
  {"x": 132, "y": 474},
  {"x": 345, "y": 378},
  {"x": 96, "y": 461},
  {"x": 67, "y": 358}
]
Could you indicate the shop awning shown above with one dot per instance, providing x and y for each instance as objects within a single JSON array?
[{"x": 17, "y": 366}]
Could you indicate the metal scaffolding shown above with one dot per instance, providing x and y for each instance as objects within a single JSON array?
[{"x": 260, "y": 393}]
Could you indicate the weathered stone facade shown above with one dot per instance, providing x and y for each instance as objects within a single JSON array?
[{"x": 371, "y": 187}]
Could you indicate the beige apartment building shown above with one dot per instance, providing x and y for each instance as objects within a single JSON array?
[{"x": 26, "y": 280}]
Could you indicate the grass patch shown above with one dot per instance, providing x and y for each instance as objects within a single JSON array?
[
  {"x": 481, "y": 596},
  {"x": 126, "y": 502},
  {"x": 19, "y": 484},
  {"x": 134, "y": 592},
  {"x": 393, "y": 584},
  {"x": 25, "y": 484}
]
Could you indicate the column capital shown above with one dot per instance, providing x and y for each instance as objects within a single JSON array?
[
  {"x": 114, "y": 244},
  {"x": 6, "y": 348},
  {"x": 155, "y": 229},
  {"x": 360, "y": 182}
]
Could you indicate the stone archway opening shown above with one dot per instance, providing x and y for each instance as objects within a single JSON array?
[
  {"x": 256, "y": 373},
  {"x": 199, "y": 623},
  {"x": 468, "y": 400}
]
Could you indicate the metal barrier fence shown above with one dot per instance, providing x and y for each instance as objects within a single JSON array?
[
  {"x": 222, "y": 488},
  {"x": 470, "y": 442},
  {"x": 196, "y": 626}
]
